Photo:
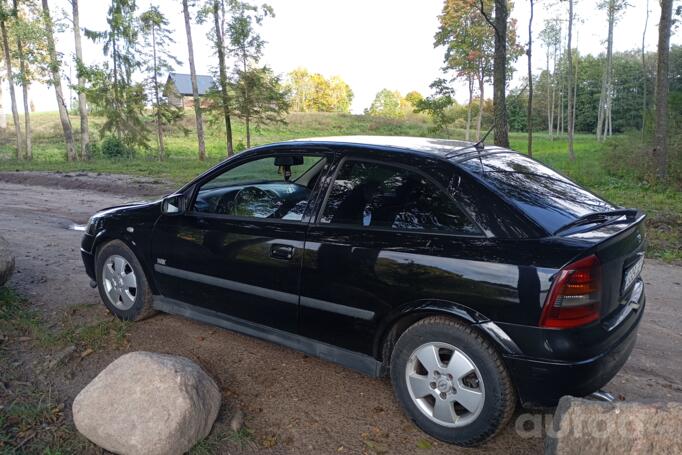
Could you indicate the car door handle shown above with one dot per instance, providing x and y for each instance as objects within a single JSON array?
[{"x": 279, "y": 251}]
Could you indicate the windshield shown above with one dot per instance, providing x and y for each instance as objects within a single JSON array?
[{"x": 548, "y": 198}]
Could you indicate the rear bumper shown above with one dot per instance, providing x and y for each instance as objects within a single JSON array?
[{"x": 542, "y": 382}]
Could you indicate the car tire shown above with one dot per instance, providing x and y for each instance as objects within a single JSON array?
[
  {"x": 451, "y": 381},
  {"x": 122, "y": 283}
]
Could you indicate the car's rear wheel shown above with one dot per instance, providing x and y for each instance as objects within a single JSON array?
[
  {"x": 122, "y": 283},
  {"x": 451, "y": 381}
]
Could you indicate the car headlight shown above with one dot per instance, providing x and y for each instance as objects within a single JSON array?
[{"x": 94, "y": 225}]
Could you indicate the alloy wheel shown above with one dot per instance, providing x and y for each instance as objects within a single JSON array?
[
  {"x": 445, "y": 384},
  {"x": 119, "y": 281}
]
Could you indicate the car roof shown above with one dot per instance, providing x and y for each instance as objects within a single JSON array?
[{"x": 443, "y": 148}]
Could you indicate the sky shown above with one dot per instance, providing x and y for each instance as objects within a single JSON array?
[{"x": 371, "y": 44}]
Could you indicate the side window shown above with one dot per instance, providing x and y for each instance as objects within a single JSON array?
[
  {"x": 377, "y": 195},
  {"x": 269, "y": 187}
]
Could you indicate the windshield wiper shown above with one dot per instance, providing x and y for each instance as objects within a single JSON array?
[{"x": 603, "y": 218}]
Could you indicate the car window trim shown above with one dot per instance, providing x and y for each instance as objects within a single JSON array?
[
  {"x": 441, "y": 188},
  {"x": 253, "y": 157}
]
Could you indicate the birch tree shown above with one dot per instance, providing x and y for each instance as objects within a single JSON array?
[
  {"x": 195, "y": 88},
  {"x": 571, "y": 101},
  {"x": 604, "y": 118},
  {"x": 82, "y": 97},
  {"x": 5, "y": 15},
  {"x": 644, "y": 71},
  {"x": 530, "y": 81},
  {"x": 57, "y": 84}
]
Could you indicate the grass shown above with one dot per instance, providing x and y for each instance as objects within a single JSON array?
[{"x": 662, "y": 204}]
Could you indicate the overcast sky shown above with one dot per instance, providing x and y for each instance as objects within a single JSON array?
[{"x": 371, "y": 44}]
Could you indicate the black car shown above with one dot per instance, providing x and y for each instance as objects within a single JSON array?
[{"x": 474, "y": 276}]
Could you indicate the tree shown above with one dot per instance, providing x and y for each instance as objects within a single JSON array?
[
  {"x": 195, "y": 88},
  {"x": 644, "y": 72},
  {"x": 247, "y": 45},
  {"x": 112, "y": 89},
  {"x": 530, "y": 81},
  {"x": 467, "y": 38},
  {"x": 216, "y": 9},
  {"x": 20, "y": 28},
  {"x": 413, "y": 97},
  {"x": 499, "y": 25},
  {"x": 5, "y": 14},
  {"x": 260, "y": 95},
  {"x": 605, "y": 119},
  {"x": 386, "y": 104},
  {"x": 660, "y": 151},
  {"x": 57, "y": 83},
  {"x": 315, "y": 93},
  {"x": 82, "y": 98},
  {"x": 569, "y": 58},
  {"x": 551, "y": 39},
  {"x": 155, "y": 28},
  {"x": 439, "y": 105}
]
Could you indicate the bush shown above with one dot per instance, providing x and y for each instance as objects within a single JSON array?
[{"x": 113, "y": 147}]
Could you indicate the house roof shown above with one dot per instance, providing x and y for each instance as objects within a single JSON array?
[{"x": 183, "y": 83}]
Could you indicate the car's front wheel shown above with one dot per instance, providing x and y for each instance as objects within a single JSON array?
[
  {"x": 122, "y": 283},
  {"x": 451, "y": 381}
]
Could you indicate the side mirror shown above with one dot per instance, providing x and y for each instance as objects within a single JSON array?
[{"x": 173, "y": 204}]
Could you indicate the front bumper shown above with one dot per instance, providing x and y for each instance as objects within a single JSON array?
[
  {"x": 86, "y": 255},
  {"x": 541, "y": 382}
]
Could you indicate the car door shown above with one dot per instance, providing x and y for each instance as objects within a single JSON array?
[
  {"x": 375, "y": 246},
  {"x": 237, "y": 249}
]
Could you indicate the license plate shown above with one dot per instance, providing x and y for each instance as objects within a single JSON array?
[{"x": 632, "y": 273}]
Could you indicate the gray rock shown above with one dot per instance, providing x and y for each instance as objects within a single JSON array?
[
  {"x": 583, "y": 426},
  {"x": 147, "y": 403},
  {"x": 6, "y": 261}
]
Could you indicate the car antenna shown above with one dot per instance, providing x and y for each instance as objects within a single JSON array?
[{"x": 480, "y": 146}]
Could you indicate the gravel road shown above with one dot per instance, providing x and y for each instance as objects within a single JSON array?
[{"x": 293, "y": 403}]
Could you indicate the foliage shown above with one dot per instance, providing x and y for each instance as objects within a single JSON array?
[
  {"x": 439, "y": 105},
  {"x": 111, "y": 87},
  {"x": 315, "y": 93},
  {"x": 113, "y": 147},
  {"x": 387, "y": 103},
  {"x": 413, "y": 98},
  {"x": 259, "y": 95}
]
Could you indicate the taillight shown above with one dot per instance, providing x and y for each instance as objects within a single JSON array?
[{"x": 574, "y": 297}]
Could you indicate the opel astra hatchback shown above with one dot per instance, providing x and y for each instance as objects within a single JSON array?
[{"x": 475, "y": 277}]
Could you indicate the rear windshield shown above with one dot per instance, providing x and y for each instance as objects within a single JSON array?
[{"x": 548, "y": 198}]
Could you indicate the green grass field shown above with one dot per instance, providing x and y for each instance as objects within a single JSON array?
[{"x": 662, "y": 204}]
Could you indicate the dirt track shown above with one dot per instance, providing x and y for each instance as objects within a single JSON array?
[{"x": 292, "y": 402}]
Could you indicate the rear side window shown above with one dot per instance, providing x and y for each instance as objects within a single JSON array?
[
  {"x": 548, "y": 198},
  {"x": 370, "y": 194}
]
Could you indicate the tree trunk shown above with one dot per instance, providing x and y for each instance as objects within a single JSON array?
[
  {"x": 10, "y": 80},
  {"x": 247, "y": 113},
  {"x": 530, "y": 82},
  {"x": 225, "y": 99},
  {"x": 549, "y": 95},
  {"x": 644, "y": 78},
  {"x": 575, "y": 86},
  {"x": 82, "y": 99},
  {"x": 500, "y": 74},
  {"x": 662, "y": 89},
  {"x": 57, "y": 83},
  {"x": 28, "y": 153},
  {"x": 569, "y": 57},
  {"x": 195, "y": 87},
  {"x": 3, "y": 116},
  {"x": 159, "y": 123},
  {"x": 470, "y": 81},
  {"x": 608, "y": 94},
  {"x": 481, "y": 89}
]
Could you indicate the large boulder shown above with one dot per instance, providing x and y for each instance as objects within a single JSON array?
[
  {"x": 6, "y": 261},
  {"x": 147, "y": 403},
  {"x": 583, "y": 426}
]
